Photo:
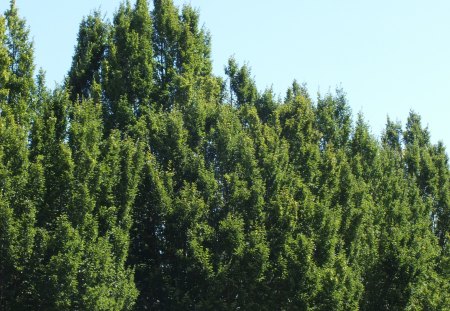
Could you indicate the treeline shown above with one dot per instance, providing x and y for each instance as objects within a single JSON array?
[{"x": 145, "y": 182}]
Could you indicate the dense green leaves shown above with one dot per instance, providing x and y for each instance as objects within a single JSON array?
[
  {"x": 21, "y": 64},
  {"x": 88, "y": 57},
  {"x": 147, "y": 183},
  {"x": 128, "y": 69}
]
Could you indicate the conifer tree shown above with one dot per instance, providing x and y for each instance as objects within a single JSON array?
[
  {"x": 334, "y": 119},
  {"x": 166, "y": 34},
  {"x": 128, "y": 67},
  {"x": 441, "y": 206},
  {"x": 56, "y": 159},
  {"x": 392, "y": 136},
  {"x": 299, "y": 128},
  {"x": 266, "y": 104},
  {"x": 193, "y": 64},
  {"x": 364, "y": 152},
  {"x": 88, "y": 57},
  {"x": 140, "y": 185},
  {"x": 18, "y": 213},
  {"x": 20, "y": 49},
  {"x": 242, "y": 87},
  {"x": 4, "y": 62}
]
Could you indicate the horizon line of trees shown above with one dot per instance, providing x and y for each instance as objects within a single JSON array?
[{"x": 145, "y": 182}]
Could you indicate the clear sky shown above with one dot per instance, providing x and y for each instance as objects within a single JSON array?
[{"x": 390, "y": 56}]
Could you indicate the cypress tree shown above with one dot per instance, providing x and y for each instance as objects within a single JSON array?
[
  {"x": 88, "y": 57},
  {"x": 166, "y": 33},
  {"x": 139, "y": 185},
  {"x": 334, "y": 119},
  {"x": 128, "y": 67},
  {"x": 4, "y": 62},
  {"x": 21, "y": 65},
  {"x": 18, "y": 214},
  {"x": 242, "y": 87}
]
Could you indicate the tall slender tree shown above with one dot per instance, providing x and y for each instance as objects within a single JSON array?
[
  {"x": 20, "y": 49},
  {"x": 166, "y": 33},
  {"x": 88, "y": 57},
  {"x": 128, "y": 68}
]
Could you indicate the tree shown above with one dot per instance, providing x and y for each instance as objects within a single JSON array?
[
  {"x": 128, "y": 68},
  {"x": 50, "y": 130},
  {"x": 242, "y": 87},
  {"x": 18, "y": 215},
  {"x": 441, "y": 209},
  {"x": 89, "y": 55},
  {"x": 266, "y": 104},
  {"x": 4, "y": 63},
  {"x": 21, "y": 65},
  {"x": 334, "y": 119},
  {"x": 139, "y": 185},
  {"x": 194, "y": 65},
  {"x": 166, "y": 34},
  {"x": 299, "y": 128}
]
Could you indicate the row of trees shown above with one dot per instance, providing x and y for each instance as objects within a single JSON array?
[{"x": 146, "y": 182}]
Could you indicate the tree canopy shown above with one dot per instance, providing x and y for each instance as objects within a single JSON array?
[{"x": 145, "y": 182}]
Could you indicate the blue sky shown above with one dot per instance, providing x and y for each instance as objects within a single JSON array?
[{"x": 388, "y": 56}]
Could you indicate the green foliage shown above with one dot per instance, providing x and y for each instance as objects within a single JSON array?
[
  {"x": 88, "y": 57},
  {"x": 21, "y": 64},
  {"x": 4, "y": 62},
  {"x": 128, "y": 67},
  {"x": 166, "y": 33},
  {"x": 242, "y": 87},
  {"x": 142, "y": 185}
]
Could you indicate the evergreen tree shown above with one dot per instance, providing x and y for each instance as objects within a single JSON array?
[
  {"x": 266, "y": 104},
  {"x": 334, "y": 119},
  {"x": 194, "y": 65},
  {"x": 242, "y": 87},
  {"x": 88, "y": 57},
  {"x": 299, "y": 128},
  {"x": 50, "y": 130},
  {"x": 128, "y": 68},
  {"x": 441, "y": 206},
  {"x": 4, "y": 62},
  {"x": 140, "y": 185},
  {"x": 21, "y": 65},
  {"x": 18, "y": 213},
  {"x": 166, "y": 34}
]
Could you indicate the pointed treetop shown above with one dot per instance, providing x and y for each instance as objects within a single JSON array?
[{"x": 21, "y": 66}]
